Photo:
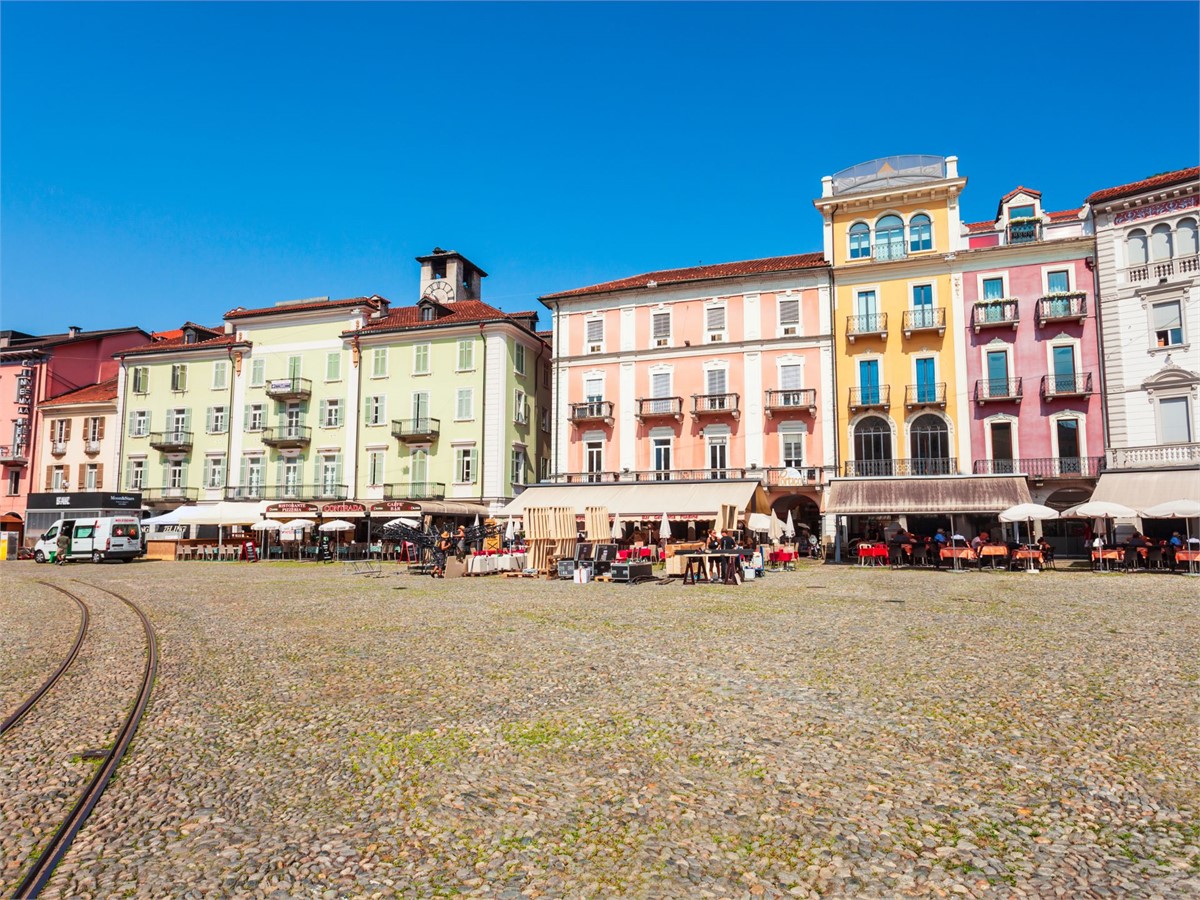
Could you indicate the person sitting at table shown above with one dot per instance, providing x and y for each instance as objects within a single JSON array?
[
  {"x": 1133, "y": 551},
  {"x": 977, "y": 541}
]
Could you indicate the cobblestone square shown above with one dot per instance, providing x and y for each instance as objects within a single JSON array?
[{"x": 832, "y": 732}]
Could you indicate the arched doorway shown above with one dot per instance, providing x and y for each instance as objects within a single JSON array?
[
  {"x": 872, "y": 447},
  {"x": 929, "y": 441},
  {"x": 804, "y": 510}
]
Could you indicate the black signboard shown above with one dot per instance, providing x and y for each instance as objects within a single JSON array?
[
  {"x": 326, "y": 550},
  {"x": 251, "y": 551},
  {"x": 131, "y": 500}
]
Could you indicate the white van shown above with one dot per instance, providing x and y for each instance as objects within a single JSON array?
[{"x": 114, "y": 537}]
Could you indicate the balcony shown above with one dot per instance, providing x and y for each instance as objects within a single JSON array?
[
  {"x": 925, "y": 319},
  {"x": 645, "y": 475},
  {"x": 1154, "y": 456},
  {"x": 416, "y": 431},
  {"x": 305, "y": 492},
  {"x": 715, "y": 405},
  {"x": 882, "y": 468},
  {"x": 800, "y": 400},
  {"x": 1164, "y": 270},
  {"x": 287, "y": 437},
  {"x": 14, "y": 455},
  {"x": 415, "y": 490},
  {"x": 592, "y": 411},
  {"x": 171, "y": 441},
  {"x": 874, "y": 325},
  {"x": 1070, "y": 307},
  {"x": 889, "y": 250},
  {"x": 1056, "y": 386},
  {"x": 169, "y": 495},
  {"x": 58, "y": 448},
  {"x": 91, "y": 448},
  {"x": 925, "y": 395},
  {"x": 289, "y": 388},
  {"x": 1024, "y": 231},
  {"x": 246, "y": 492},
  {"x": 1046, "y": 467},
  {"x": 870, "y": 398},
  {"x": 1002, "y": 390},
  {"x": 660, "y": 408},
  {"x": 995, "y": 314}
]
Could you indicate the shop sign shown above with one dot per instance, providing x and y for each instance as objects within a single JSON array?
[
  {"x": 291, "y": 507},
  {"x": 343, "y": 508},
  {"x": 395, "y": 506}
]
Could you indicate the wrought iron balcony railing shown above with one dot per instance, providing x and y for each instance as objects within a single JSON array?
[
  {"x": 246, "y": 492},
  {"x": 171, "y": 441},
  {"x": 927, "y": 318},
  {"x": 1045, "y": 467},
  {"x": 878, "y": 468},
  {"x": 58, "y": 448},
  {"x": 289, "y": 388},
  {"x": 1066, "y": 385},
  {"x": 91, "y": 447},
  {"x": 997, "y": 389},
  {"x": 169, "y": 494},
  {"x": 592, "y": 411},
  {"x": 287, "y": 436},
  {"x": 873, "y": 325},
  {"x": 1003, "y": 313},
  {"x": 770, "y": 476},
  {"x": 415, "y": 490},
  {"x": 878, "y": 397},
  {"x": 1063, "y": 307},
  {"x": 14, "y": 455},
  {"x": 890, "y": 250},
  {"x": 660, "y": 407},
  {"x": 929, "y": 394},
  {"x": 715, "y": 404},
  {"x": 324, "y": 491},
  {"x": 1024, "y": 232},
  {"x": 416, "y": 430},
  {"x": 797, "y": 400}
]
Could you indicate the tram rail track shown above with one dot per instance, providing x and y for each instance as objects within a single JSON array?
[
  {"x": 17, "y": 715},
  {"x": 51, "y": 854}
]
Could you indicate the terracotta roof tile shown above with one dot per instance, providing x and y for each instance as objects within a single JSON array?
[
  {"x": 980, "y": 227},
  {"x": 1063, "y": 215},
  {"x": 286, "y": 308},
  {"x": 92, "y": 393},
  {"x": 1146, "y": 184},
  {"x": 701, "y": 273},
  {"x": 175, "y": 344},
  {"x": 1020, "y": 189},
  {"x": 462, "y": 312}
]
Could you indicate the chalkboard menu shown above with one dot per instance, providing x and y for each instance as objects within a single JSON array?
[
  {"x": 251, "y": 551},
  {"x": 326, "y": 550}
]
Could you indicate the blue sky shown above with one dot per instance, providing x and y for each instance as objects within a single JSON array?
[{"x": 164, "y": 162}]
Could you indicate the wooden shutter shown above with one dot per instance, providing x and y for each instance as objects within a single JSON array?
[
  {"x": 66, "y": 430},
  {"x": 66, "y": 478},
  {"x": 99, "y": 476},
  {"x": 49, "y": 477}
]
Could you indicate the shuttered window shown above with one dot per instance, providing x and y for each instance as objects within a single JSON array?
[
  {"x": 220, "y": 375},
  {"x": 715, "y": 381},
  {"x": 789, "y": 311},
  {"x": 660, "y": 326},
  {"x": 333, "y": 366},
  {"x": 660, "y": 384},
  {"x": 714, "y": 318},
  {"x": 790, "y": 377},
  {"x": 595, "y": 335}
]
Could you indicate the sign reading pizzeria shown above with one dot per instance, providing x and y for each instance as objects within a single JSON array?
[{"x": 292, "y": 508}]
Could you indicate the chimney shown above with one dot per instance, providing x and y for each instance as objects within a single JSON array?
[
  {"x": 73, "y": 330},
  {"x": 382, "y": 305}
]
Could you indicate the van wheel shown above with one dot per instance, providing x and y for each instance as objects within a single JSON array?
[
  {"x": 39, "y": 556},
  {"x": 97, "y": 556}
]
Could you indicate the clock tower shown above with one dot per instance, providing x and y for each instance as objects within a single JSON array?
[{"x": 447, "y": 277}]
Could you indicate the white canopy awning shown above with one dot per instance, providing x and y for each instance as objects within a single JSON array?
[
  {"x": 1146, "y": 487},
  {"x": 646, "y": 499}
]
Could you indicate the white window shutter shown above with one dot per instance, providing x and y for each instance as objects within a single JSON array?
[
  {"x": 789, "y": 377},
  {"x": 789, "y": 311},
  {"x": 714, "y": 317}
]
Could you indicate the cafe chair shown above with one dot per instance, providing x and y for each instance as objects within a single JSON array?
[
  {"x": 1155, "y": 559},
  {"x": 895, "y": 556},
  {"x": 920, "y": 555},
  {"x": 1048, "y": 558}
]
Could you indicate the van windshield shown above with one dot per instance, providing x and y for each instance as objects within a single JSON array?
[{"x": 52, "y": 533}]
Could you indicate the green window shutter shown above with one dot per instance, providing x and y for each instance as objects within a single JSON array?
[
  {"x": 166, "y": 474},
  {"x": 187, "y": 419},
  {"x": 208, "y": 424},
  {"x": 337, "y": 472},
  {"x": 128, "y": 475},
  {"x": 206, "y": 471},
  {"x": 474, "y": 465},
  {"x": 244, "y": 472},
  {"x": 129, "y": 428},
  {"x": 324, "y": 409},
  {"x": 183, "y": 474},
  {"x": 246, "y": 419}
]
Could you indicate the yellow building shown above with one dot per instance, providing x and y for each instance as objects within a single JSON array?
[{"x": 891, "y": 229}]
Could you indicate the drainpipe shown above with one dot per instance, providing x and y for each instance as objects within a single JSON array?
[
  {"x": 229, "y": 423},
  {"x": 124, "y": 411},
  {"x": 356, "y": 354},
  {"x": 837, "y": 424},
  {"x": 1095, "y": 269},
  {"x": 555, "y": 394},
  {"x": 483, "y": 414},
  {"x": 537, "y": 425}
]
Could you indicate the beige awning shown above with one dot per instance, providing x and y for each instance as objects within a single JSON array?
[
  {"x": 449, "y": 508},
  {"x": 953, "y": 494},
  {"x": 1144, "y": 488},
  {"x": 649, "y": 499}
]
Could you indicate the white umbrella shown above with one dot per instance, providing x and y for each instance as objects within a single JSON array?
[
  {"x": 266, "y": 525},
  {"x": 510, "y": 530},
  {"x": 774, "y": 528},
  {"x": 618, "y": 530},
  {"x": 406, "y": 522},
  {"x": 664, "y": 530},
  {"x": 338, "y": 526},
  {"x": 1099, "y": 509},
  {"x": 789, "y": 528},
  {"x": 1028, "y": 512},
  {"x": 298, "y": 524},
  {"x": 1177, "y": 509}
]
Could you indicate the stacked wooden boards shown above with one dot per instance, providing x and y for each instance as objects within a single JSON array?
[{"x": 550, "y": 535}]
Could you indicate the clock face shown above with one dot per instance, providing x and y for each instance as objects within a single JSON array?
[{"x": 440, "y": 291}]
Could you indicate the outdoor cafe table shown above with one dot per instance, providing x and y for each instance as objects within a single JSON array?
[
  {"x": 700, "y": 565},
  {"x": 961, "y": 552},
  {"x": 1026, "y": 553},
  {"x": 784, "y": 557},
  {"x": 992, "y": 552},
  {"x": 872, "y": 552},
  {"x": 1188, "y": 556}
]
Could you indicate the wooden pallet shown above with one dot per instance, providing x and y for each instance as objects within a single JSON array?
[{"x": 522, "y": 574}]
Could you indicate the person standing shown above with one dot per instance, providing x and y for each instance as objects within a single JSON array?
[{"x": 63, "y": 543}]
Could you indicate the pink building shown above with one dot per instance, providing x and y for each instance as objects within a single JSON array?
[
  {"x": 712, "y": 372},
  {"x": 34, "y": 369},
  {"x": 1032, "y": 361}
]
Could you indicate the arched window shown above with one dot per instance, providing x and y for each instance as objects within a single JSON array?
[
  {"x": 1160, "y": 242},
  {"x": 930, "y": 440},
  {"x": 889, "y": 238},
  {"x": 872, "y": 447},
  {"x": 1185, "y": 238},
  {"x": 860, "y": 241},
  {"x": 1135, "y": 247},
  {"x": 920, "y": 233}
]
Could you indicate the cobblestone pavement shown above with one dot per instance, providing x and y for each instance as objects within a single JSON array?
[{"x": 832, "y": 732}]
